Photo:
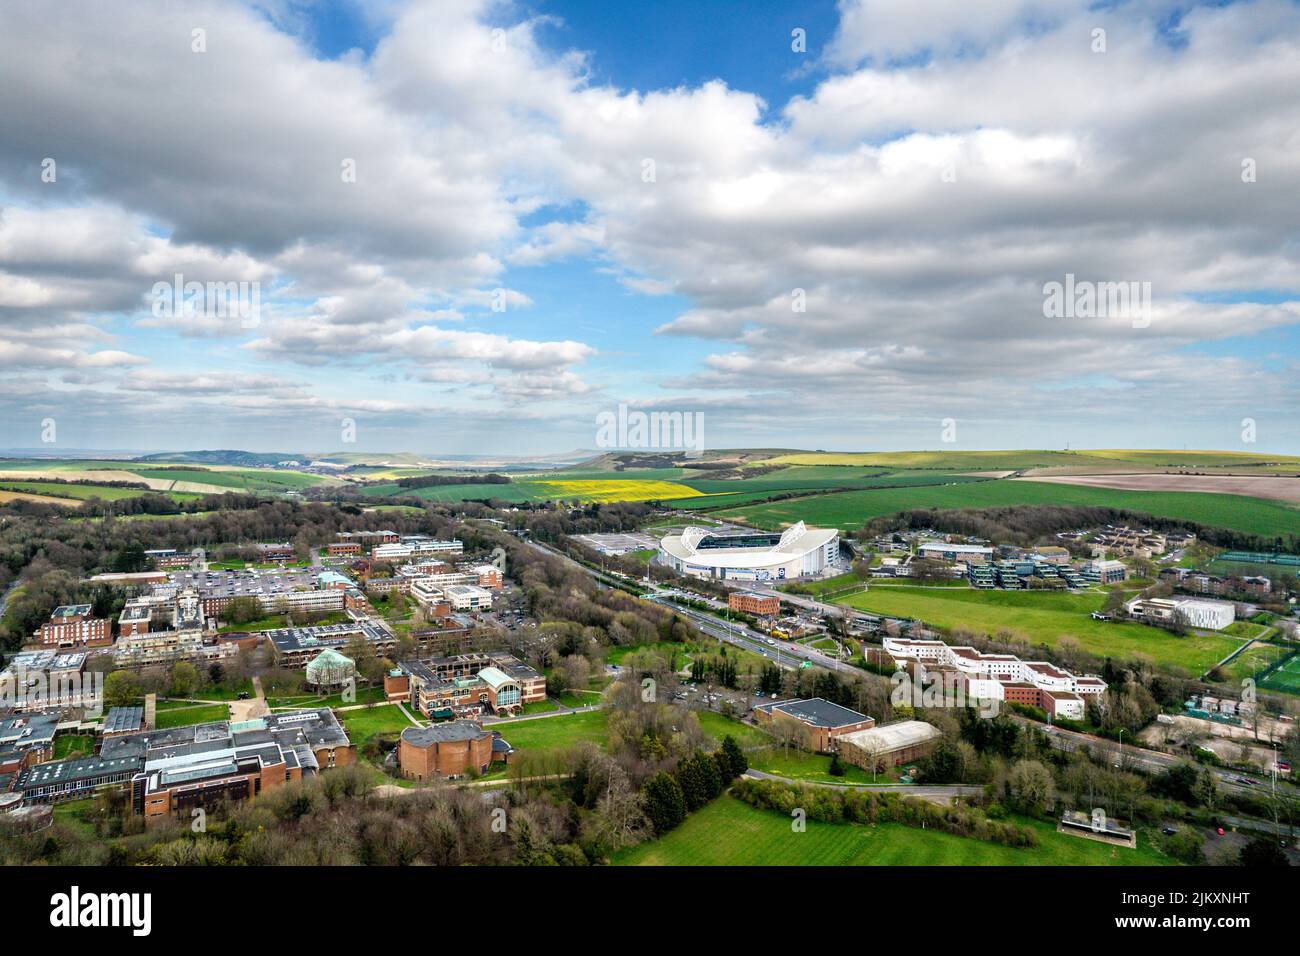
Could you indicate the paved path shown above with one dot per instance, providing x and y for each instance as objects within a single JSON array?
[{"x": 249, "y": 709}]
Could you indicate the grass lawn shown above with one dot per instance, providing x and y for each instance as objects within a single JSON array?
[
  {"x": 551, "y": 733},
  {"x": 717, "y": 726},
  {"x": 361, "y": 725},
  {"x": 849, "y": 510},
  {"x": 73, "y": 745},
  {"x": 1255, "y": 660},
  {"x": 76, "y": 815},
  {"x": 364, "y": 695},
  {"x": 198, "y": 714},
  {"x": 617, "y": 654},
  {"x": 540, "y": 707},
  {"x": 576, "y": 698},
  {"x": 1044, "y": 617},
  {"x": 728, "y": 832},
  {"x": 222, "y": 691},
  {"x": 813, "y": 768}
]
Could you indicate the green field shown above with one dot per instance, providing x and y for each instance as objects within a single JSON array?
[
  {"x": 728, "y": 832},
  {"x": 73, "y": 745},
  {"x": 1284, "y": 678},
  {"x": 236, "y": 479},
  {"x": 849, "y": 510},
  {"x": 1044, "y": 617},
  {"x": 554, "y": 733},
  {"x": 363, "y": 724},
  {"x": 717, "y": 726},
  {"x": 184, "y": 716},
  {"x": 808, "y": 767},
  {"x": 1016, "y": 460}
]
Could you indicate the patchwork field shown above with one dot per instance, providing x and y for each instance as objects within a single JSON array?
[
  {"x": 728, "y": 832},
  {"x": 34, "y": 476},
  {"x": 849, "y": 510},
  {"x": 1277, "y": 488},
  {"x": 1044, "y": 618}
]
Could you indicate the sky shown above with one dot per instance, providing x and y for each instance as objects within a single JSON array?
[{"x": 472, "y": 227}]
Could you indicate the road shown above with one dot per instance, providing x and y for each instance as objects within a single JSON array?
[
  {"x": 1152, "y": 761},
  {"x": 788, "y": 655},
  {"x": 783, "y": 653}
]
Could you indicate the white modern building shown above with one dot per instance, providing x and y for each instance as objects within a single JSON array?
[
  {"x": 956, "y": 553},
  {"x": 799, "y": 551},
  {"x": 1194, "y": 612}
]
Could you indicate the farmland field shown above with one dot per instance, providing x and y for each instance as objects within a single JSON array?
[
  {"x": 729, "y": 832},
  {"x": 849, "y": 510},
  {"x": 1043, "y": 617},
  {"x": 1017, "y": 460}
]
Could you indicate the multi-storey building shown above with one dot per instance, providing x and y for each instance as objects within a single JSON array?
[
  {"x": 73, "y": 625},
  {"x": 751, "y": 602},
  {"x": 297, "y": 646},
  {"x": 466, "y": 685},
  {"x": 1001, "y": 676}
]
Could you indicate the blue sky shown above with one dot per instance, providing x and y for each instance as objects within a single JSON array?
[{"x": 839, "y": 248}]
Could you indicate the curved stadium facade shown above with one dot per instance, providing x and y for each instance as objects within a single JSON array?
[{"x": 751, "y": 555}]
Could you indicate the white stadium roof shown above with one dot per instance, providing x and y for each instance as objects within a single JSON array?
[{"x": 794, "y": 543}]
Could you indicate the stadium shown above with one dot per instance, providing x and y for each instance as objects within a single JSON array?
[{"x": 799, "y": 551}]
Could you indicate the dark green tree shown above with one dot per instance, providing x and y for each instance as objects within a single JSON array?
[{"x": 664, "y": 802}]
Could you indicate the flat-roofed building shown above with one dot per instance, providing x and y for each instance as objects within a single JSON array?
[
  {"x": 821, "y": 722},
  {"x": 123, "y": 720},
  {"x": 955, "y": 553},
  {"x": 297, "y": 646},
  {"x": 74, "y": 779},
  {"x": 49, "y": 680},
  {"x": 73, "y": 625},
  {"x": 889, "y": 744},
  {"x": 466, "y": 685},
  {"x": 444, "y": 751},
  {"x": 30, "y": 733},
  {"x": 1002, "y": 676},
  {"x": 751, "y": 602},
  {"x": 467, "y": 597},
  {"x": 181, "y": 768}
]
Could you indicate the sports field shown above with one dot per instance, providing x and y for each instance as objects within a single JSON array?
[
  {"x": 1285, "y": 677},
  {"x": 728, "y": 832},
  {"x": 851, "y": 509},
  {"x": 1044, "y": 617}
]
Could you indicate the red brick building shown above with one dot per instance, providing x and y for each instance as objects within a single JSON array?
[
  {"x": 446, "y": 751},
  {"x": 72, "y": 626},
  {"x": 750, "y": 602},
  {"x": 819, "y": 721}
]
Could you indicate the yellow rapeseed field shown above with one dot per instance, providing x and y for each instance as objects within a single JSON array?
[{"x": 616, "y": 490}]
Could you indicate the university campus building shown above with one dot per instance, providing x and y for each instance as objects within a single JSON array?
[
  {"x": 999, "y": 677},
  {"x": 465, "y": 685},
  {"x": 820, "y": 722}
]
